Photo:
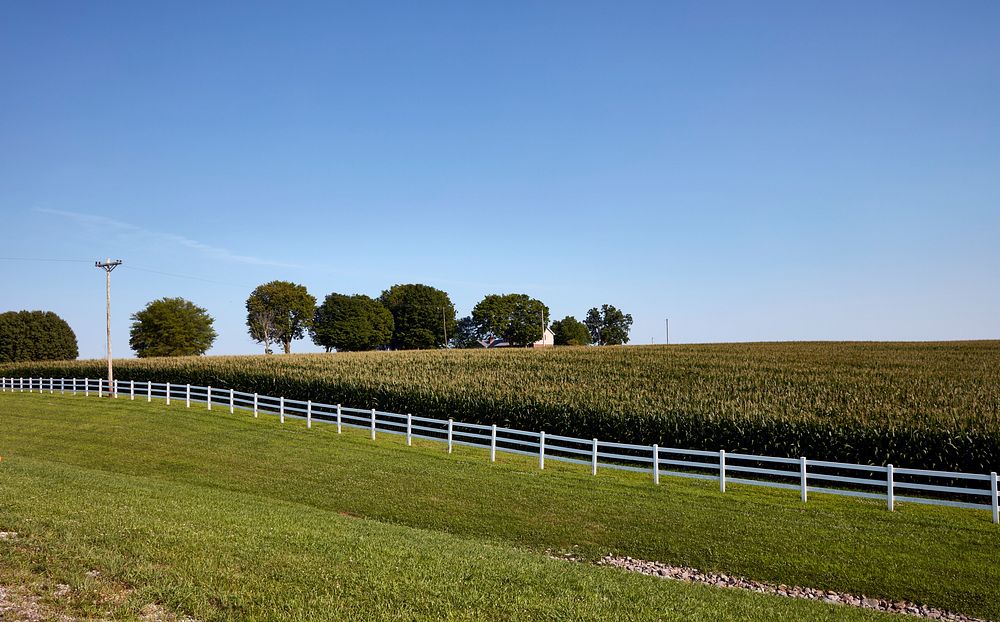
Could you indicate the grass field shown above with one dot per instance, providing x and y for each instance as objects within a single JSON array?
[
  {"x": 923, "y": 405},
  {"x": 228, "y": 517}
]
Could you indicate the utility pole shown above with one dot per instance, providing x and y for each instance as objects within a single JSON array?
[
  {"x": 108, "y": 266},
  {"x": 667, "y": 320},
  {"x": 444, "y": 325}
]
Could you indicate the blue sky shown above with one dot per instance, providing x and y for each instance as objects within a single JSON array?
[{"x": 754, "y": 171}]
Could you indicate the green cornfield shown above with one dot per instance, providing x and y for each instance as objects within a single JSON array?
[{"x": 920, "y": 405}]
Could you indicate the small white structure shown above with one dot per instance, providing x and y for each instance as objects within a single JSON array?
[{"x": 548, "y": 339}]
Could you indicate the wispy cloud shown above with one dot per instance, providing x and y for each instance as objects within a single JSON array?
[{"x": 110, "y": 224}]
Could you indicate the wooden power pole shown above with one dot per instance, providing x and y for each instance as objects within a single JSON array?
[{"x": 108, "y": 266}]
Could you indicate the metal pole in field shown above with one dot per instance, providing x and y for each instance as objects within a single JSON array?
[
  {"x": 722, "y": 470},
  {"x": 131, "y": 390},
  {"x": 656, "y": 464},
  {"x": 86, "y": 387},
  {"x": 187, "y": 397},
  {"x": 373, "y": 424},
  {"x": 149, "y": 391},
  {"x": 208, "y": 394},
  {"x": 108, "y": 266},
  {"x": 231, "y": 401},
  {"x": 996, "y": 499},
  {"x": 541, "y": 450},
  {"x": 890, "y": 493},
  {"x": 309, "y": 414},
  {"x": 493, "y": 444},
  {"x": 338, "y": 419},
  {"x": 803, "y": 479},
  {"x": 254, "y": 405},
  {"x": 281, "y": 409},
  {"x": 168, "y": 394},
  {"x": 593, "y": 459},
  {"x": 451, "y": 425},
  {"x": 409, "y": 429}
]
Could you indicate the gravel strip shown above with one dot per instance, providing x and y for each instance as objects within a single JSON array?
[{"x": 683, "y": 573}]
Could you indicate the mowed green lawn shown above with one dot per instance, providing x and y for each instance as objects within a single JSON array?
[{"x": 228, "y": 517}]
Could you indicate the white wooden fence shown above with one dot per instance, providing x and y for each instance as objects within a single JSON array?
[{"x": 964, "y": 490}]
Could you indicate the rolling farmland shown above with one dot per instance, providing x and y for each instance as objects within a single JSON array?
[{"x": 926, "y": 405}]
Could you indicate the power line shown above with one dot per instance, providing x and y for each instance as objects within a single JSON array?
[{"x": 183, "y": 276}]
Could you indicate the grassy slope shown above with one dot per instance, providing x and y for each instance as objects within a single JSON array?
[
  {"x": 255, "y": 513},
  {"x": 930, "y": 405}
]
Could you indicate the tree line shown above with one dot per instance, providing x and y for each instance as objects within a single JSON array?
[
  {"x": 409, "y": 316},
  {"x": 415, "y": 316}
]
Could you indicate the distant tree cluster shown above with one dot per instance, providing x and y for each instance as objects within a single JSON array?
[
  {"x": 415, "y": 316},
  {"x": 35, "y": 336},
  {"x": 407, "y": 316},
  {"x": 351, "y": 323},
  {"x": 518, "y": 319},
  {"x": 608, "y": 326},
  {"x": 171, "y": 327}
]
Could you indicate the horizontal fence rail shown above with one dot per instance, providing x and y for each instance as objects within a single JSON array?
[{"x": 885, "y": 483}]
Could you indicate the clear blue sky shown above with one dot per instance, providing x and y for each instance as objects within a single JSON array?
[{"x": 753, "y": 170}]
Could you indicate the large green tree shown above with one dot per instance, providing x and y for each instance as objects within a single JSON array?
[
  {"x": 570, "y": 332},
  {"x": 35, "y": 336},
  {"x": 278, "y": 312},
  {"x": 351, "y": 323},
  {"x": 608, "y": 326},
  {"x": 421, "y": 315},
  {"x": 466, "y": 334},
  {"x": 518, "y": 319},
  {"x": 171, "y": 327}
]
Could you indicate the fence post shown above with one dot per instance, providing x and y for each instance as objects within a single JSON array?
[
  {"x": 187, "y": 396},
  {"x": 656, "y": 464},
  {"x": 231, "y": 401},
  {"x": 115, "y": 387},
  {"x": 373, "y": 424},
  {"x": 803, "y": 479},
  {"x": 309, "y": 414},
  {"x": 409, "y": 429},
  {"x": 149, "y": 391},
  {"x": 74, "y": 385},
  {"x": 208, "y": 395},
  {"x": 493, "y": 443},
  {"x": 281, "y": 409},
  {"x": 541, "y": 450},
  {"x": 168, "y": 394},
  {"x": 3, "y": 386},
  {"x": 338, "y": 419},
  {"x": 62, "y": 386},
  {"x": 890, "y": 493},
  {"x": 996, "y": 500},
  {"x": 52, "y": 382},
  {"x": 722, "y": 470},
  {"x": 31, "y": 386},
  {"x": 450, "y": 426},
  {"x": 593, "y": 459},
  {"x": 131, "y": 390},
  {"x": 254, "y": 405},
  {"x": 86, "y": 387}
]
